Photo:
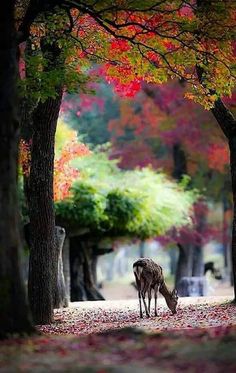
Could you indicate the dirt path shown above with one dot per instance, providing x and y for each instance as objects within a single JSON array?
[
  {"x": 92, "y": 317},
  {"x": 96, "y": 337}
]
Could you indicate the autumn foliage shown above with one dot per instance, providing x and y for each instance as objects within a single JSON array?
[{"x": 64, "y": 173}]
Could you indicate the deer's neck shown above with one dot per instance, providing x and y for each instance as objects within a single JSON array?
[{"x": 165, "y": 291}]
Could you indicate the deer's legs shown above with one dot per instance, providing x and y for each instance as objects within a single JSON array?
[
  {"x": 149, "y": 299},
  {"x": 140, "y": 305},
  {"x": 143, "y": 293},
  {"x": 138, "y": 283},
  {"x": 156, "y": 290}
]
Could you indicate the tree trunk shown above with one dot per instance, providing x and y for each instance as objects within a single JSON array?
[
  {"x": 198, "y": 263},
  {"x": 14, "y": 311},
  {"x": 60, "y": 299},
  {"x": 66, "y": 268},
  {"x": 184, "y": 264},
  {"x": 185, "y": 258},
  {"x": 43, "y": 263},
  {"x": 180, "y": 162},
  {"x": 142, "y": 249},
  {"x": 227, "y": 123},
  {"x": 83, "y": 286}
]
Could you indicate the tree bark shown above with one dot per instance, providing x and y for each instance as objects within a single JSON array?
[
  {"x": 83, "y": 285},
  {"x": 14, "y": 311},
  {"x": 43, "y": 254}
]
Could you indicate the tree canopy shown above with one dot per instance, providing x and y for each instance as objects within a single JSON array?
[{"x": 111, "y": 202}]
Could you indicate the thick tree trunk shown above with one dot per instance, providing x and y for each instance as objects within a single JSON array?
[
  {"x": 83, "y": 283},
  {"x": 14, "y": 311},
  {"x": 43, "y": 262}
]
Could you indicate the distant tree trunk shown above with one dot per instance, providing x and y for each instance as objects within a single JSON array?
[
  {"x": 83, "y": 284},
  {"x": 180, "y": 162},
  {"x": 198, "y": 262},
  {"x": 66, "y": 267},
  {"x": 185, "y": 258},
  {"x": 184, "y": 263},
  {"x": 61, "y": 299},
  {"x": 142, "y": 249},
  {"x": 14, "y": 311}
]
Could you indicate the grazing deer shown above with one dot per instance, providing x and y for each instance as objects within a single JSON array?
[{"x": 149, "y": 276}]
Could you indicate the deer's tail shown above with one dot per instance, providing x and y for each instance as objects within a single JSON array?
[{"x": 138, "y": 271}]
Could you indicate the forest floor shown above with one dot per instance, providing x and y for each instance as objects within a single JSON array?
[{"x": 108, "y": 336}]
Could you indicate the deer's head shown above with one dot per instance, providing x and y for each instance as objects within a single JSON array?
[{"x": 172, "y": 301}]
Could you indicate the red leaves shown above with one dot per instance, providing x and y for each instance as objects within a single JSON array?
[
  {"x": 183, "y": 349},
  {"x": 120, "y": 45},
  {"x": 218, "y": 156}
]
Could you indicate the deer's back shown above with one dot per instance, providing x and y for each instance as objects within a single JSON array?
[{"x": 147, "y": 270}]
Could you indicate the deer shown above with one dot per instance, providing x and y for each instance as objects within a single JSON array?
[{"x": 149, "y": 276}]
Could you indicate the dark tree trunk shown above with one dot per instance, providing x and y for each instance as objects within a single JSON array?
[
  {"x": 14, "y": 312},
  {"x": 83, "y": 285},
  {"x": 184, "y": 264},
  {"x": 43, "y": 263},
  {"x": 180, "y": 162},
  {"x": 198, "y": 262},
  {"x": 227, "y": 123}
]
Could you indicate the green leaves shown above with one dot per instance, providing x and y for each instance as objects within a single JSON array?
[{"x": 140, "y": 203}]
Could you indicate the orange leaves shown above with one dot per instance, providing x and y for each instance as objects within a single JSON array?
[{"x": 64, "y": 173}]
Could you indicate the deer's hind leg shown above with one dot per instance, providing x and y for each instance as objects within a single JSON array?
[
  {"x": 156, "y": 291},
  {"x": 149, "y": 299},
  {"x": 144, "y": 288},
  {"x": 139, "y": 295}
]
